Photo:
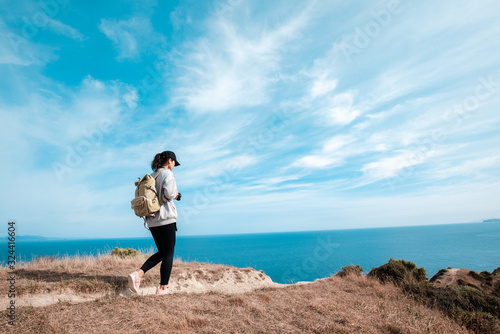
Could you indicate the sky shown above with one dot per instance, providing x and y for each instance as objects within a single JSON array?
[{"x": 285, "y": 115}]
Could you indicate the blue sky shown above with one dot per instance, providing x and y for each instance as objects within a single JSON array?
[{"x": 284, "y": 115}]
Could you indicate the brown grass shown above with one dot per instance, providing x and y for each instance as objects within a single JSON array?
[
  {"x": 355, "y": 304},
  {"x": 80, "y": 274}
]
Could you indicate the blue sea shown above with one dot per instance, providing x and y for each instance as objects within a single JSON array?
[{"x": 305, "y": 256}]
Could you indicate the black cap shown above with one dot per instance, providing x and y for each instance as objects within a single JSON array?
[{"x": 171, "y": 155}]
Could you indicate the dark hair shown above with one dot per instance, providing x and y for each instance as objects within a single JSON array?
[{"x": 159, "y": 160}]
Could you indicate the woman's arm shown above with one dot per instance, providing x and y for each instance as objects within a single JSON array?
[{"x": 169, "y": 187}]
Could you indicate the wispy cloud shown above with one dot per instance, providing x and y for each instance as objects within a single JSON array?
[
  {"x": 322, "y": 85},
  {"x": 330, "y": 155},
  {"x": 64, "y": 29},
  {"x": 233, "y": 66},
  {"x": 131, "y": 37},
  {"x": 15, "y": 49}
]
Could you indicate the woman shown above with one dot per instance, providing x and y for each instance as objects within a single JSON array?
[{"x": 162, "y": 225}]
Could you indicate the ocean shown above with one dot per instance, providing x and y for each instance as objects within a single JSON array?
[{"x": 305, "y": 256}]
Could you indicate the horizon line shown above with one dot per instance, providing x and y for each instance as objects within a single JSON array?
[{"x": 237, "y": 234}]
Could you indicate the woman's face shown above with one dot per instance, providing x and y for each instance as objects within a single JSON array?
[{"x": 170, "y": 164}]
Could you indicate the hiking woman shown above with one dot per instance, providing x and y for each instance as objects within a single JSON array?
[{"x": 162, "y": 225}]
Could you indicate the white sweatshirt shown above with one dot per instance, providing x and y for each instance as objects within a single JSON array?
[{"x": 166, "y": 190}]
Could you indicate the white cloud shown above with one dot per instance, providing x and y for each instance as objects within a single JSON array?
[
  {"x": 234, "y": 66},
  {"x": 387, "y": 167},
  {"x": 342, "y": 115},
  {"x": 15, "y": 49},
  {"x": 467, "y": 169},
  {"x": 224, "y": 165},
  {"x": 179, "y": 16},
  {"x": 265, "y": 183},
  {"x": 342, "y": 110},
  {"x": 262, "y": 211},
  {"x": 322, "y": 86},
  {"x": 58, "y": 125},
  {"x": 315, "y": 161},
  {"x": 131, "y": 98},
  {"x": 335, "y": 143},
  {"x": 62, "y": 148},
  {"x": 131, "y": 37},
  {"x": 330, "y": 155},
  {"x": 64, "y": 29}
]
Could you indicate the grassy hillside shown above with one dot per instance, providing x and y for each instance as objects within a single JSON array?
[{"x": 209, "y": 298}]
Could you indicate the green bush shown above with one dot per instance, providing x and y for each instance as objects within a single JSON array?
[
  {"x": 496, "y": 289},
  {"x": 398, "y": 272},
  {"x": 488, "y": 277},
  {"x": 485, "y": 277},
  {"x": 354, "y": 269},
  {"x": 479, "y": 322},
  {"x": 469, "y": 306},
  {"x": 125, "y": 252}
]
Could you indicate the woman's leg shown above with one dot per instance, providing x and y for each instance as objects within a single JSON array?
[
  {"x": 168, "y": 245},
  {"x": 154, "y": 259},
  {"x": 164, "y": 237}
]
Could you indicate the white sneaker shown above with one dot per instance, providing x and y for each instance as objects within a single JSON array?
[
  {"x": 163, "y": 292},
  {"x": 134, "y": 281}
]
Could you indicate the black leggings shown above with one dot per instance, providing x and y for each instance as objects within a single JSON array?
[{"x": 165, "y": 242}]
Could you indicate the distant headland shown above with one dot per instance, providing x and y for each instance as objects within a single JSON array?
[
  {"x": 29, "y": 237},
  {"x": 493, "y": 220}
]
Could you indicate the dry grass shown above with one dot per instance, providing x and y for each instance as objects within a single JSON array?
[
  {"x": 80, "y": 274},
  {"x": 355, "y": 304}
]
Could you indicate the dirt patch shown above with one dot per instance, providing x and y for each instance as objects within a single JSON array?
[
  {"x": 466, "y": 277},
  {"x": 43, "y": 285}
]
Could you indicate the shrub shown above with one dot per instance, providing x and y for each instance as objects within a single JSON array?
[
  {"x": 496, "y": 289},
  {"x": 484, "y": 277},
  {"x": 351, "y": 269},
  {"x": 398, "y": 272},
  {"x": 125, "y": 252},
  {"x": 438, "y": 275},
  {"x": 420, "y": 274},
  {"x": 469, "y": 306},
  {"x": 479, "y": 322}
]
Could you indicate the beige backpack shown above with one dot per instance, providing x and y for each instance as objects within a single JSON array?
[{"x": 146, "y": 202}]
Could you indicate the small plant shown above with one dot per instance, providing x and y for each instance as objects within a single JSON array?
[
  {"x": 125, "y": 252},
  {"x": 399, "y": 272},
  {"x": 484, "y": 277},
  {"x": 351, "y": 269},
  {"x": 496, "y": 290}
]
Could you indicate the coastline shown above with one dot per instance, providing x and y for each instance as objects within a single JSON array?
[{"x": 60, "y": 295}]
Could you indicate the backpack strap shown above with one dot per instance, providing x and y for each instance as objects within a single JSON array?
[{"x": 158, "y": 173}]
